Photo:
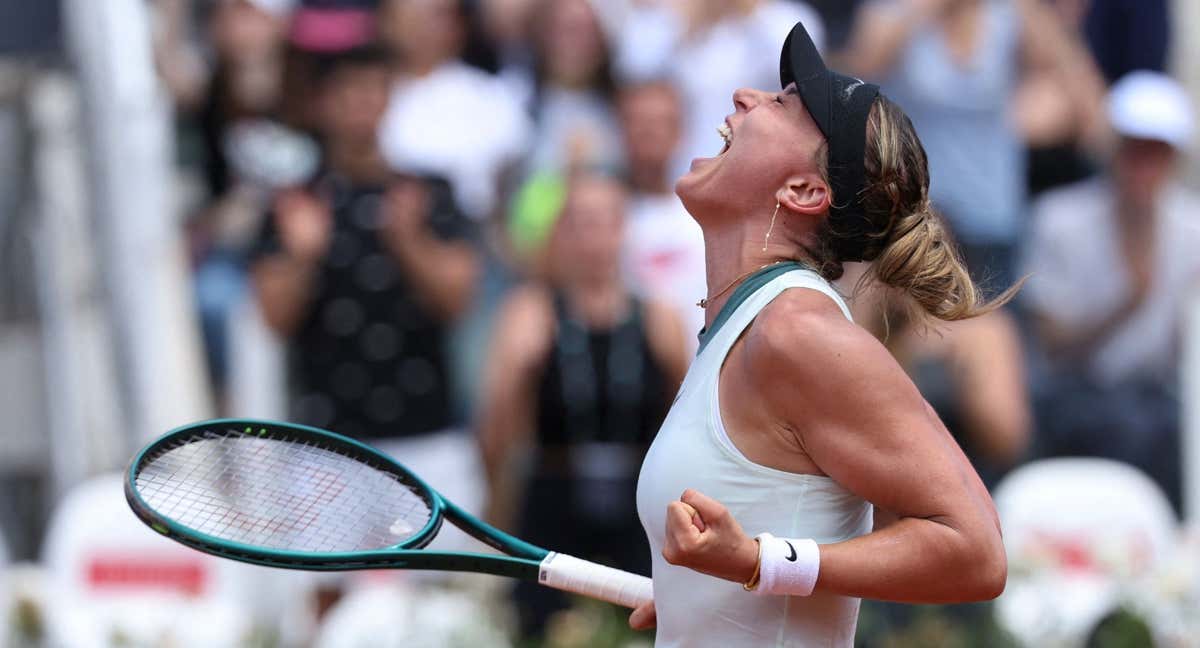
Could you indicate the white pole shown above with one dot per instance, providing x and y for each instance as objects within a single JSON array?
[
  {"x": 1185, "y": 65},
  {"x": 83, "y": 407},
  {"x": 137, "y": 226},
  {"x": 1190, "y": 427}
]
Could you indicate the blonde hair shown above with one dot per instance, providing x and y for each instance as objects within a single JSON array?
[{"x": 911, "y": 248}]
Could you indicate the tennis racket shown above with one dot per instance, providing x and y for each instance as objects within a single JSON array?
[{"x": 298, "y": 497}]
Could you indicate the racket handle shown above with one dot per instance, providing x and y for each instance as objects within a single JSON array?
[{"x": 571, "y": 574}]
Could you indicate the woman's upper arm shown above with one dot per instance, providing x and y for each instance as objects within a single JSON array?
[{"x": 863, "y": 422}]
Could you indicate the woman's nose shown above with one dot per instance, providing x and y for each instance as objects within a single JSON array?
[{"x": 746, "y": 98}]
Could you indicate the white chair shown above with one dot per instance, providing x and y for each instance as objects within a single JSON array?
[
  {"x": 388, "y": 613},
  {"x": 109, "y": 576},
  {"x": 1081, "y": 535}
]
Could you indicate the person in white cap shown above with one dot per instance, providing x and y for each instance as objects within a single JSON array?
[{"x": 1111, "y": 260}]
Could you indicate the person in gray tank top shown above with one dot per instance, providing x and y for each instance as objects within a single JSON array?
[{"x": 793, "y": 423}]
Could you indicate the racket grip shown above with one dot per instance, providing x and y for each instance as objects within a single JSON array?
[{"x": 571, "y": 574}]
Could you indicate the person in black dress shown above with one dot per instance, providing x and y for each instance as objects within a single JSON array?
[{"x": 580, "y": 376}]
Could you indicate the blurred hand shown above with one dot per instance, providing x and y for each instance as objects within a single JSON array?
[
  {"x": 304, "y": 224},
  {"x": 702, "y": 535},
  {"x": 405, "y": 212},
  {"x": 644, "y": 617}
]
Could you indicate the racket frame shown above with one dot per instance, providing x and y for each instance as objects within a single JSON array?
[{"x": 522, "y": 559}]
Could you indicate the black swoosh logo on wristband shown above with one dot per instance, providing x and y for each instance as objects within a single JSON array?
[{"x": 791, "y": 558}]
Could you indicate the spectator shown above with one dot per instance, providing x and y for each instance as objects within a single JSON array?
[
  {"x": 1058, "y": 149},
  {"x": 1122, "y": 35},
  {"x": 664, "y": 247},
  {"x": 707, "y": 48},
  {"x": 954, "y": 65},
  {"x": 445, "y": 117},
  {"x": 572, "y": 101},
  {"x": 362, "y": 273},
  {"x": 177, "y": 55},
  {"x": 248, "y": 153},
  {"x": 579, "y": 378},
  {"x": 1111, "y": 260},
  {"x": 245, "y": 92},
  {"x": 507, "y": 25}
]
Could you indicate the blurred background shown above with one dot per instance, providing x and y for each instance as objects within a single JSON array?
[{"x": 447, "y": 228}]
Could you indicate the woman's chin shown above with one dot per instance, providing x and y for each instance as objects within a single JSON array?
[
  {"x": 684, "y": 186},
  {"x": 701, "y": 163},
  {"x": 700, "y": 168},
  {"x": 695, "y": 184}
]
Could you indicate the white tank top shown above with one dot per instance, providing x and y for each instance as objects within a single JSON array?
[{"x": 692, "y": 450}]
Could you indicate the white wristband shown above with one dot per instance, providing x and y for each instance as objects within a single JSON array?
[{"x": 787, "y": 566}]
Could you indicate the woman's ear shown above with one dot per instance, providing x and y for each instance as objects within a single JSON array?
[{"x": 805, "y": 194}]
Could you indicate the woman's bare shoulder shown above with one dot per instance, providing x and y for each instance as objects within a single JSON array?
[
  {"x": 801, "y": 323},
  {"x": 805, "y": 352}
]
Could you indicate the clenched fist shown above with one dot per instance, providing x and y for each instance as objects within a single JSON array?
[{"x": 702, "y": 535}]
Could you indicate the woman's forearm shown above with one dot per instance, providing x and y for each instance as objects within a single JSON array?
[
  {"x": 916, "y": 560},
  {"x": 911, "y": 560}
]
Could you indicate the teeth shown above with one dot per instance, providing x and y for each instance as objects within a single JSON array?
[{"x": 726, "y": 134}]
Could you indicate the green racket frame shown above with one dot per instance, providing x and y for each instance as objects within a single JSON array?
[{"x": 522, "y": 560}]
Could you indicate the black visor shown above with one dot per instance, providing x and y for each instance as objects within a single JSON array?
[{"x": 839, "y": 104}]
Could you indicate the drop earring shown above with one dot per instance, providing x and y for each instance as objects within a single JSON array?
[{"x": 772, "y": 226}]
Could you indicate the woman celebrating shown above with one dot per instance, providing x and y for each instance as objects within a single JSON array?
[{"x": 792, "y": 421}]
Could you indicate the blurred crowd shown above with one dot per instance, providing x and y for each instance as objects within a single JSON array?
[{"x": 453, "y": 224}]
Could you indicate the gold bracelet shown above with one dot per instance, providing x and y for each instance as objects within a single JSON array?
[{"x": 752, "y": 584}]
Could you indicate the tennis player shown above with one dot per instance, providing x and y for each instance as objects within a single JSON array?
[{"x": 792, "y": 422}]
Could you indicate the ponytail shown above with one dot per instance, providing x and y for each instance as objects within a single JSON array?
[
  {"x": 922, "y": 262},
  {"x": 910, "y": 246}
]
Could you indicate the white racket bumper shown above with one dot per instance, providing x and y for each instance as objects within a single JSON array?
[{"x": 571, "y": 574}]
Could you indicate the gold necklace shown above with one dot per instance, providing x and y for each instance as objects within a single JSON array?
[{"x": 703, "y": 303}]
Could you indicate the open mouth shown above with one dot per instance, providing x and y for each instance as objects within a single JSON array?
[{"x": 726, "y": 134}]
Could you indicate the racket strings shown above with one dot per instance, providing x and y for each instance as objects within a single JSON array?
[{"x": 280, "y": 493}]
